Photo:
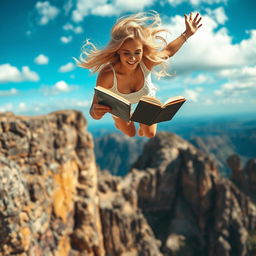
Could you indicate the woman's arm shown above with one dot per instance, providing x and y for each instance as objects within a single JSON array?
[
  {"x": 192, "y": 25},
  {"x": 97, "y": 111}
]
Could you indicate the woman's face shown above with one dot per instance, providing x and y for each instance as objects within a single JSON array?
[{"x": 131, "y": 53}]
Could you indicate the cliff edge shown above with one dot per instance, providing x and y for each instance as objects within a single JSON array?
[{"x": 55, "y": 201}]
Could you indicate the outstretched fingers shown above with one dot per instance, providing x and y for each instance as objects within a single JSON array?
[
  {"x": 197, "y": 20},
  {"x": 196, "y": 17}
]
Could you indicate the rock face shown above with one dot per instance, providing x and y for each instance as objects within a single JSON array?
[
  {"x": 191, "y": 209},
  {"x": 54, "y": 201},
  {"x": 125, "y": 229},
  {"x": 244, "y": 177},
  {"x": 48, "y": 186}
]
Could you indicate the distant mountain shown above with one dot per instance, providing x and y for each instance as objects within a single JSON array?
[
  {"x": 116, "y": 152},
  {"x": 220, "y": 147},
  {"x": 218, "y": 138}
]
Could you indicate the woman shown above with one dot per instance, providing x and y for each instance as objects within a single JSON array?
[{"x": 125, "y": 65}]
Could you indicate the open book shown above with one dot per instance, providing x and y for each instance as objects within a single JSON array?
[{"x": 148, "y": 111}]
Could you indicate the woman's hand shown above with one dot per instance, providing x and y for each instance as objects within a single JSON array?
[
  {"x": 97, "y": 111},
  {"x": 192, "y": 24}
]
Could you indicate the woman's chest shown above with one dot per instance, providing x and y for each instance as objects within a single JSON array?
[{"x": 130, "y": 83}]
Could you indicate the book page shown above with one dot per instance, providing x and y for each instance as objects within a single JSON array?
[
  {"x": 174, "y": 100},
  {"x": 151, "y": 100},
  {"x": 168, "y": 112},
  {"x": 104, "y": 90}
]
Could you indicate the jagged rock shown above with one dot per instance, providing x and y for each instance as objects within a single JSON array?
[
  {"x": 237, "y": 175},
  {"x": 47, "y": 175},
  {"x": 244, "y": 177},
  {"x": 182, "y": 195},
  {"x": 250, "y": 170},
  {"x": 125, "y": 230},
  {"x": 51, "y": 201},
  {"x": 14, "y": 198},
  {"x": 173, "y": 202}
]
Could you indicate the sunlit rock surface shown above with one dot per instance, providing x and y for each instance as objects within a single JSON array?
[{"x": 54, "y": 200}]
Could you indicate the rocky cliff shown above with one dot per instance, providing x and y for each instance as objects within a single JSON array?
[
  {"x": 48, "y": 186},
  {"x": 54, "y": 201},
  {"x": 191, "y": 208},
  {"x": 50, "y": 201}
]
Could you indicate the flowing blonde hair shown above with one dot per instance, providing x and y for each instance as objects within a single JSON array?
[{"x": 144, "y": 26}]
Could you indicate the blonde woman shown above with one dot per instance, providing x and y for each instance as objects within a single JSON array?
[{"x": 125, "y": 64}]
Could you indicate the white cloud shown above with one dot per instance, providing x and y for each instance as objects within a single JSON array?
[
  {"x": 10, "y": 92},
  {"x": 65, "y": 39},
  {"x": 67, "y": 68},
  {"x": 47, "y": 106},
  {"x": 84, "y": 103},
  {"x": 240, "y": 74},
  {"x": 121, "y": 6},
  {"x": 240, "y": 81},
  {"x": 41, "y": 59},
  {"x": 6, "y": 107},
  {"x": 195, "y": 2},
  {"x": 84, "y": 8},
  {"x": 58, "y": 87},
  {"x": 191, "y": 95},
  {"x": 68, "y": 26},
  {"x": 211, "y": 47},
  {"x": 9, "y": 73},
  {"x": 232, "y": 65},
  {"x": 237, "y": 86},
  {"x": 46, "y": 12},
  {"x": 78, "y": 30},
  {"x": 217, "y": 14},
  {"x": 208, "y": 101},
  {"x": 68, "y": 6},
  {"x": 117, "y": 7},
  {"x": 104, "y": 8},
  {"x": 62, "y": 86},
  {"x": 199, "y": 79},
  {"x": 75, "y": 29},
  {"x": 29, "y": 75},
  {"x": 22, "y": 106}
]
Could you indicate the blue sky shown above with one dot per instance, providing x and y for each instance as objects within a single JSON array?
[{"x": 215, "y": 69}]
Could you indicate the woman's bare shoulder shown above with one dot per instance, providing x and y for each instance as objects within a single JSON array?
[{"x": 105, "y": 77}]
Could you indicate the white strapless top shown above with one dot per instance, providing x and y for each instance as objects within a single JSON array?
[{"x": 148, "y": 88}]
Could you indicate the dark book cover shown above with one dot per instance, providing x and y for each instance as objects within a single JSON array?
[
  {"x": 119, "y": 108},
  {"x": 167, "y": 113},
  {"x": 145, "y": 113}
]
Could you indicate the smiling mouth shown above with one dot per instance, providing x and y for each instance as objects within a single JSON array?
[{"x": 131, "y": 62}]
